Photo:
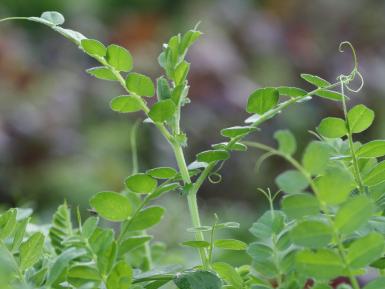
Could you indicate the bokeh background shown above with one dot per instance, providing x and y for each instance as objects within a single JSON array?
[{"x": 59, "y": 140}]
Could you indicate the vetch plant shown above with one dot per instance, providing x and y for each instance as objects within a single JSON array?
[{"x": 330, "y": 222}]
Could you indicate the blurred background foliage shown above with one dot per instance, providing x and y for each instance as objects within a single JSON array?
[{"x": 59, "y": 140}]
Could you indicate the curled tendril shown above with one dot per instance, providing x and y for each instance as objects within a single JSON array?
[
  {"x": 215, "y": 178},
  {"x": 261, "y": 159},
  {"x": 346, "y": 79}
]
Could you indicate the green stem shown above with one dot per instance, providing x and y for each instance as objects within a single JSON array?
[
  {"x": 13, "y": 18},
  {"x": 191, "y": 199},
  {"x": 356, "y": 169},
  {"x": 134, "y": 147},
  {"x": 179, "y": 155}
]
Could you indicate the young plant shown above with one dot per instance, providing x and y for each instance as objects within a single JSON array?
[{"x": 336, "y": 231}]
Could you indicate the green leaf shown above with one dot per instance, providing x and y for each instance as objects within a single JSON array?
[
  {"x": 61, "y": 263},
  {"x": 229, "y": 274},
  {"x": 291, "y": 91},
  {"x": 7, "y": 223},
  {"x": 286, "y": 142},
  {"x": 299, "y": 205},
  {"x": 120, "y": 276},
  {"x": 131, "y": 243},
  {"x": 372, "y": 149},
  {"x": 262, "y": 100},
  {"x": 111, "y": 206},
  {"x": 54, "y": 17},
  {"x": 230, "y": 244},
  {"x": 332, "y": 127},
  {"x": 323, "y": 264},
  {"x": 376, "y": 284},
  {"x": 140, "y": 84},
  {"x": 163, "y": 90},
  {"x": 146, "y": 218},
  {"x": 162, "y": 173},
  {"x": 101, "y": 239},
  {"x": 126, "y": 103},
  {"x": 353, "y": 214},
  {"x": 316, "y": 157},
  {"x": 119, "y": 58},
  {"x": 102, "y": 72},
  {"x": 70, "y": 34},
  {"x": 292, "y": 182},
  {"x": 89, "y": 227},
  {"x": 93, "y": 47},
  {"x": 210, "y": 156},
  {"x": 106, "y": 258},
  {"x": 235, "y": 131},
  {"x": 234, "y": 146},
  {"x": 311, "y": 234},
  {"x": 196, "y": 244},
  {"x": 19, "y": 233},
  {"x": 31, "y": 250},
  {"x": 376, "y": 175},
  {"x": 188, "y": 39},
  {"x": 197, "y": 280},
  {"x": 365, "y": 250},
  {"x": 164, "y": 189},
  {"x": 179, "y": 94},
  {"x": 181, "y": 72},
  {"x": 259, "y": 251},
  {"x": 360, "y": 118},
  {"x": 79, "y": 275},
  {"x": 61, "y": 227},
  {"x": 334, "y": 186},
  {"x": 162, "y": 111},
  {"x": 315, "y": 80},
  {"x": 271, "y": 222},
  {"x": 141, "y": 183},
  {"x": 329, "y": 94}
]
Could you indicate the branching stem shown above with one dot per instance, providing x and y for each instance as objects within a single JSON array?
[{"x": 323, "y": 206}]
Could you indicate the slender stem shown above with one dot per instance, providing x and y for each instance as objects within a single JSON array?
[
  {"x": 356, "y": 169},
  {"x": 264, "y": 117},
  {"x": 13, "y": 18},
  {"x": 134, "y": 147},
  {"x": 323, "y": 206},
  {"x": 179, "y": 155},
  {"x": 191, "y": 200}
]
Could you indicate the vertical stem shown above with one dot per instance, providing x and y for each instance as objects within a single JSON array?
[
  {"x": 179, "y": 155},
  {"x": 356, "y": 169},
  {"x": 135, "y": 168},
  {"x": 134, "y": 147},
  {"x": 191, "y": 199}
]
